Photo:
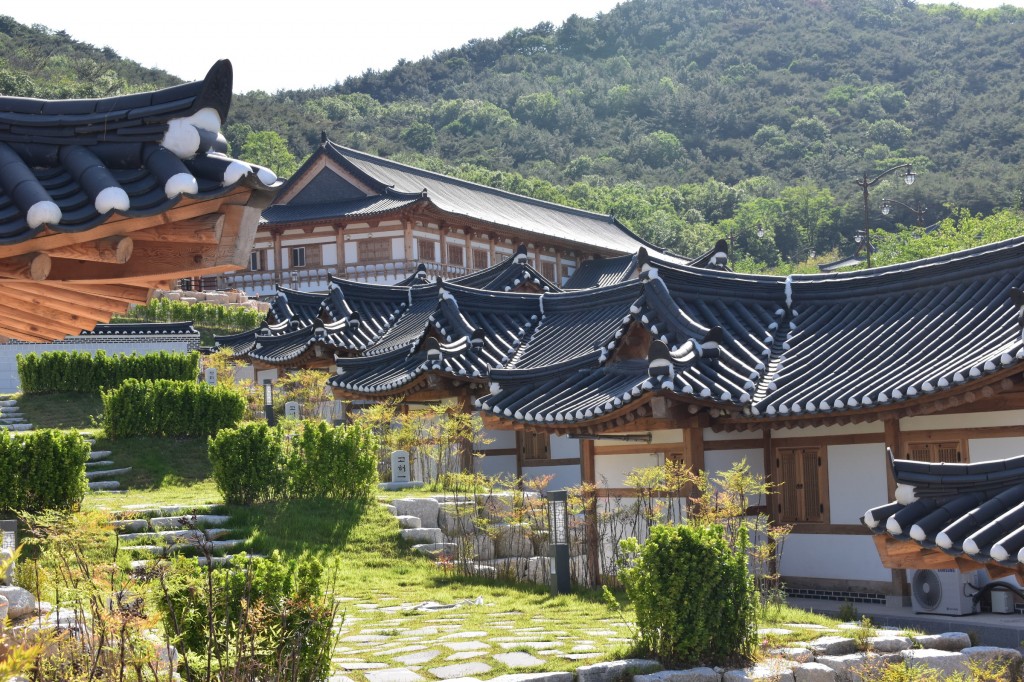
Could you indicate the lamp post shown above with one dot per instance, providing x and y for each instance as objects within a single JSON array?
[
  {"x": 918, "y": 212},
  {"x": 865, "y": 185},
  {"x": 268, "y": 402},
  {"x": 558, "y": 539}
]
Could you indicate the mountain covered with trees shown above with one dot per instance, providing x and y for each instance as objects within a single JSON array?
[{"x": 690, "y": 120}]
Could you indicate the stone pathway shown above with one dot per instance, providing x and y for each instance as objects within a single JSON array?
[
  {"x": 392, "y": 641},
  {"x": 99, "y": 470},
  {"x": 160, "y": 531}
]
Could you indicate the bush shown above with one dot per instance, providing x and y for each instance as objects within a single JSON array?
[
  {"x": 169, "y": 408},
  {"x": 248, "y": 463},
  {"x": 256, "y": 463},
  {"x": 201, "y": 314},
  {"x": 83, "y": 372},
  {"x": 260, "y": 619},
  {"x": 42, "y": 470},
  {"x": 694, "y": 598}
]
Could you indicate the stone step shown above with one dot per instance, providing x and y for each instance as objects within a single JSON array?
[
  {"x": 189, "y": 536},
  {"x": 108, "y": 492},
  {"x": 103, "y": 473},
  {"x": 99, "y": 463},
  {"x": 140, "y": 565},
  {"x": 12, "y": 419},
  {"x": 189, "y": 520},
  {"x": 8, "y": 403},
  {"x": 214, "y": 546},
  {"x": 11, "y": 411},
  {"x": 104, "y": 485},
  {"x": 99, "y": 454},
  {"x": 142, "y": 510},
  {"x": 18, "y": 427}
]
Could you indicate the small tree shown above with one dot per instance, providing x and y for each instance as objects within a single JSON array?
[{"x": 693, "y": 596}]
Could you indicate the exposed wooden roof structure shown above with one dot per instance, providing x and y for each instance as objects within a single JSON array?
[
  {"x": 103, "y": 200},
  {"x": 952, "y": 515},
  {"x": 735, "y": 351}
]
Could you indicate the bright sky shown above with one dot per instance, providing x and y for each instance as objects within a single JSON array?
[{"x": 298, "y": 44}]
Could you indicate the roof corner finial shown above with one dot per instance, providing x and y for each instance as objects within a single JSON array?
[
  {"x": 522, "y": 254},
  {"x": 323, "y": 138},
  {"x": 659, "y": 359},
  {"x": 1017, "y": 296}
]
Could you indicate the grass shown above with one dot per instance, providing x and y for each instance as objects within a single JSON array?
[{"x": 61, "y": 410}]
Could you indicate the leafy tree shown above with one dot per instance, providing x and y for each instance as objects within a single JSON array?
[{"x": 267, "y": 148}]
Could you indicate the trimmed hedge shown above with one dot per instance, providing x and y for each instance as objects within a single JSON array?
[
  {"x": 169, "y": 408},
  {"x": 200, "y": 313},
  {"x": 256, "y": 463},
  {"x": 41, "y": 470},
  {"x": 83, "y": 372}
]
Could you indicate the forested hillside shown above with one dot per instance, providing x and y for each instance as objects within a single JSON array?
[{"x": 690, "y": 119}]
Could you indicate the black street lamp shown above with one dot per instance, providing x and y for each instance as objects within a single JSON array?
[
  {"x": 268, "y": 403},
  {"x": 865, "y": 185},
  {"x": 558, "y": 540},
  {"x": 918, "y": 212}
]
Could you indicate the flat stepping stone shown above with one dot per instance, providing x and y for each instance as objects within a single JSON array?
[
  {"x": 360, "y": 665},
  {"x": 104, "y": 485},
  {"x": 519, "y": 659},
  {"x": 130, "y": 525},
  {"x": 464, "y": 655},
  {"x": 417, "y": 658},
  {"x": 19, "y": 427},
  {"x": 99, "y": 454},
  {"x": 93, "y": 475},
  {"x": 99, "y": 463},
  {"x": 468, "y": 646},
  {"x": 393, "y": 675},
  {"x": 528, "y": 645},
  {"x": 365, "y": 638},
  {"x": 469, "y": 634},
  {"x": 581, "y": 657},
  {"x": 449, "y": 672}
]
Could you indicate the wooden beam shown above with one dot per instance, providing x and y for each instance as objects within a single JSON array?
[
  {"x": 34, "y": 328},
  {"x": 35, "y": 266},
  {"x": 70, "y": 311},
  {"x": 110, "y": 250},
  {"x": 152, "y": 260},
  {"x": 23, "y": 335},
  {"x": 202, "y": 230},
  {"x": 41, "y": 318},
  {"x": 126, "y": 293}
]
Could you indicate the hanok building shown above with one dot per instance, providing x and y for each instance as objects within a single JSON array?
[
  {"x": 361, "y": 217},
  {"x": 808, "y": 378},
  {"x": 103, "y": 200}
]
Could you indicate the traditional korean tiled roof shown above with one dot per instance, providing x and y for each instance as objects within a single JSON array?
[
  {"x": 396, "y": 183},
  {"x": 369, "y": 207},
  {"x": 509, "y": 275},
  {"x": 974, "y": 511},
  {"x": 140, "y": 329},
  {"x": 68, "y": 165},
  {"x": 770, "y": 349},
  {"x": 602, "y": 272}
]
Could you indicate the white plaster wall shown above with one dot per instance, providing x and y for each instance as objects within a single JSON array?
[
  {"x": 562, "y": 476},
  {"x": 397, "y": 249},
  {"x": 987, "y": 449},
  {"x": 265, "y": 374},
  {"x": 843, "y": 557},
  {"x": 712, "y": 435},
  {"x": 963, "y": 421},
  {"x": 502, "y": 438},
  {"x": 330, "y": 254},
  {"x": 856, "y": 480},
  {"x": 611, "y": 470},
  {"x": 351, "y": 251},
  {"x": 717, "y": 461},
  {"x": 563, "y": 447},
  {"x": 496, "y": 465}
]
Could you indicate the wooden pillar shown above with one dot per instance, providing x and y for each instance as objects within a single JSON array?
[
  {"x": 766, "y": 444},
  {"x": 490, "y": 244},
  {"x": 558, "y": 267},
  {"x": 591, "y": 532},
  {"x": 894, "y": 440},
  {"x": 693, "y": 447},
  {"x": 407, "y": 224},
  {"x": 277, "y": 256},
  {"x": 444, "y": 250},
  {"x": 339, "y": 246}
]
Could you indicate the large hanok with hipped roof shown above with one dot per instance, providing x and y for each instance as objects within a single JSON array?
[
  {"x": 362, "y": 217},
  {"x": 103, "y": 200},
  {"x": 808, "y": 378}
]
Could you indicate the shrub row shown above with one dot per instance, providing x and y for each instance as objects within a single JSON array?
[
  {"x": 202, "y": 314},
  {"x": 41, "y": 470},
  {"x": 257, "y": 463},
  {"x": 169, "y": 408},
  {"x": 83, "y": 372}
]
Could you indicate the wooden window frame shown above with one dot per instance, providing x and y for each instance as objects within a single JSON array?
[
  {"x": 296, "y": 254},
  {"x": 373, "y": 250},
  {"x": 547, "y": 271},
  {"x": 481, "y": 259},
  {"x": 422, "y": 246},
  {"x": 533, "y": 446},
  {"x": 950, "y": 450},
  {"x": 456, "y": 254},
  {"x": 803, "y": 500},
  {"x": 258, "y": 260}
]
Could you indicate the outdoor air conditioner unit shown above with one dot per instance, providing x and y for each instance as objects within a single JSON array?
[{"x": 944, "y": 591}]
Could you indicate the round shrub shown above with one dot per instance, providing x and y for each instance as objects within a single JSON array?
[
  {"x": 694, "y": 597},
  {"x": 248, "y": 463}
]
